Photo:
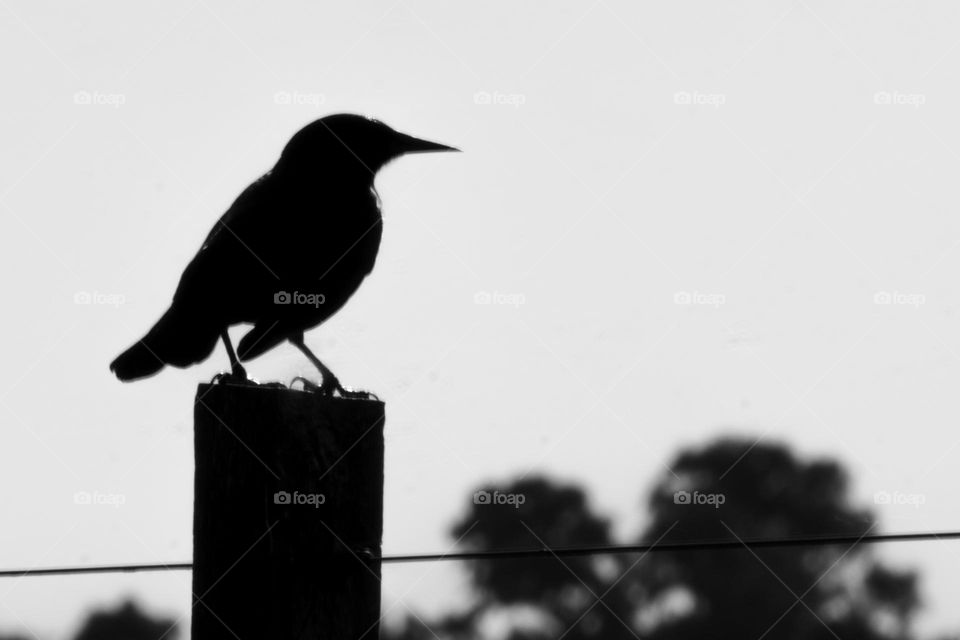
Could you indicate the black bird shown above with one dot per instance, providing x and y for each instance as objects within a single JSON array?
[{"x": 287, "y": 255}]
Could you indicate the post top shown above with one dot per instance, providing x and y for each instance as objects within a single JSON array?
[{"x": 279, "y": 389}]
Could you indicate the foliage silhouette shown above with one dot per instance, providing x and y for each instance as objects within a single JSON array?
[
  {"x": 787, "y": 592},
  {"x": 774, "y": 593},
  {"x": 126, "y": 622}
]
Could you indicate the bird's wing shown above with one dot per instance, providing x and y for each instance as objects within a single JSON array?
[
  {"x": 245, "y": 203},
  {"x": 231, "y": 259}
]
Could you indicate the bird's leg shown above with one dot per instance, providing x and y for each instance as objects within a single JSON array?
[
  {"x": 236, "y": 368},
  {"x": 330, "y": 383}
]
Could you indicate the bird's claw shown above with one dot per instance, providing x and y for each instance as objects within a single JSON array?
[
  {"x": 310, "y": 386},
  {"x": 333, "y": 389},
  {"x": 232, "y": 378},
  {"x": 356, "y": 394},
  {"x": 237, "y": 375}
]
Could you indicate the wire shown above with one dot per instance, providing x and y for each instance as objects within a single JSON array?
[
  {"x": 115, "y": 568},
  {"x": 677, "y": 546},
  {"x": 543, "y": 552}
]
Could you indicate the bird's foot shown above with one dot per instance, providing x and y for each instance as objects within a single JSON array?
[
  {"x": 333, "y": 389},
  {"x": 237, "y": 375},
  {"x": 356, "y": 394},
  {"x": 311, "y": 387},
  {"x": 225, "y": 377}
]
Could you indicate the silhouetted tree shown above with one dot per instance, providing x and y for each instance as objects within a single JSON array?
[
  {"x": 734, "y": 489},
  {"x": 739, "y": 489},
  {"x": 535, "y": 598},
  {"x": 126, "y": 622}
]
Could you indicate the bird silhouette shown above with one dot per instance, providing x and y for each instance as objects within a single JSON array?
[{"x": 287, "y": 255}]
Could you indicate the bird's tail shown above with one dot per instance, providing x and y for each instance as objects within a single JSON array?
[{"x": 174, "y": 340}]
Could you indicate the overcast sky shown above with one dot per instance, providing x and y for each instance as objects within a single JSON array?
[{"x": 691, "y": 219}]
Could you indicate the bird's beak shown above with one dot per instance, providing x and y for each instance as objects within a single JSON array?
[{"x": 409, "y": 144}]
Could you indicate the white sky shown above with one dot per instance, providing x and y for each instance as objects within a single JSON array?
[{"x": 585, "y": 188}]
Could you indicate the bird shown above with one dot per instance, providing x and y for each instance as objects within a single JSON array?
[{"x": 286, "y": 255}]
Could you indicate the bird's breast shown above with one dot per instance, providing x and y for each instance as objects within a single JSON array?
[{"x": 341, "y": 237}]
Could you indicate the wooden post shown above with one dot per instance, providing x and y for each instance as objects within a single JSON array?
[{"x": 288, "y": 515}]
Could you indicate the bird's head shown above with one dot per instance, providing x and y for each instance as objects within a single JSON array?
[{"x": 342, "y": 140}]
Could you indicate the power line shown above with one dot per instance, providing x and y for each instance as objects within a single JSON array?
[
  {"x": 107, "y": 568},
  {"x": 700, "y": 545},
  {"x": 542, "y": 552}
]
